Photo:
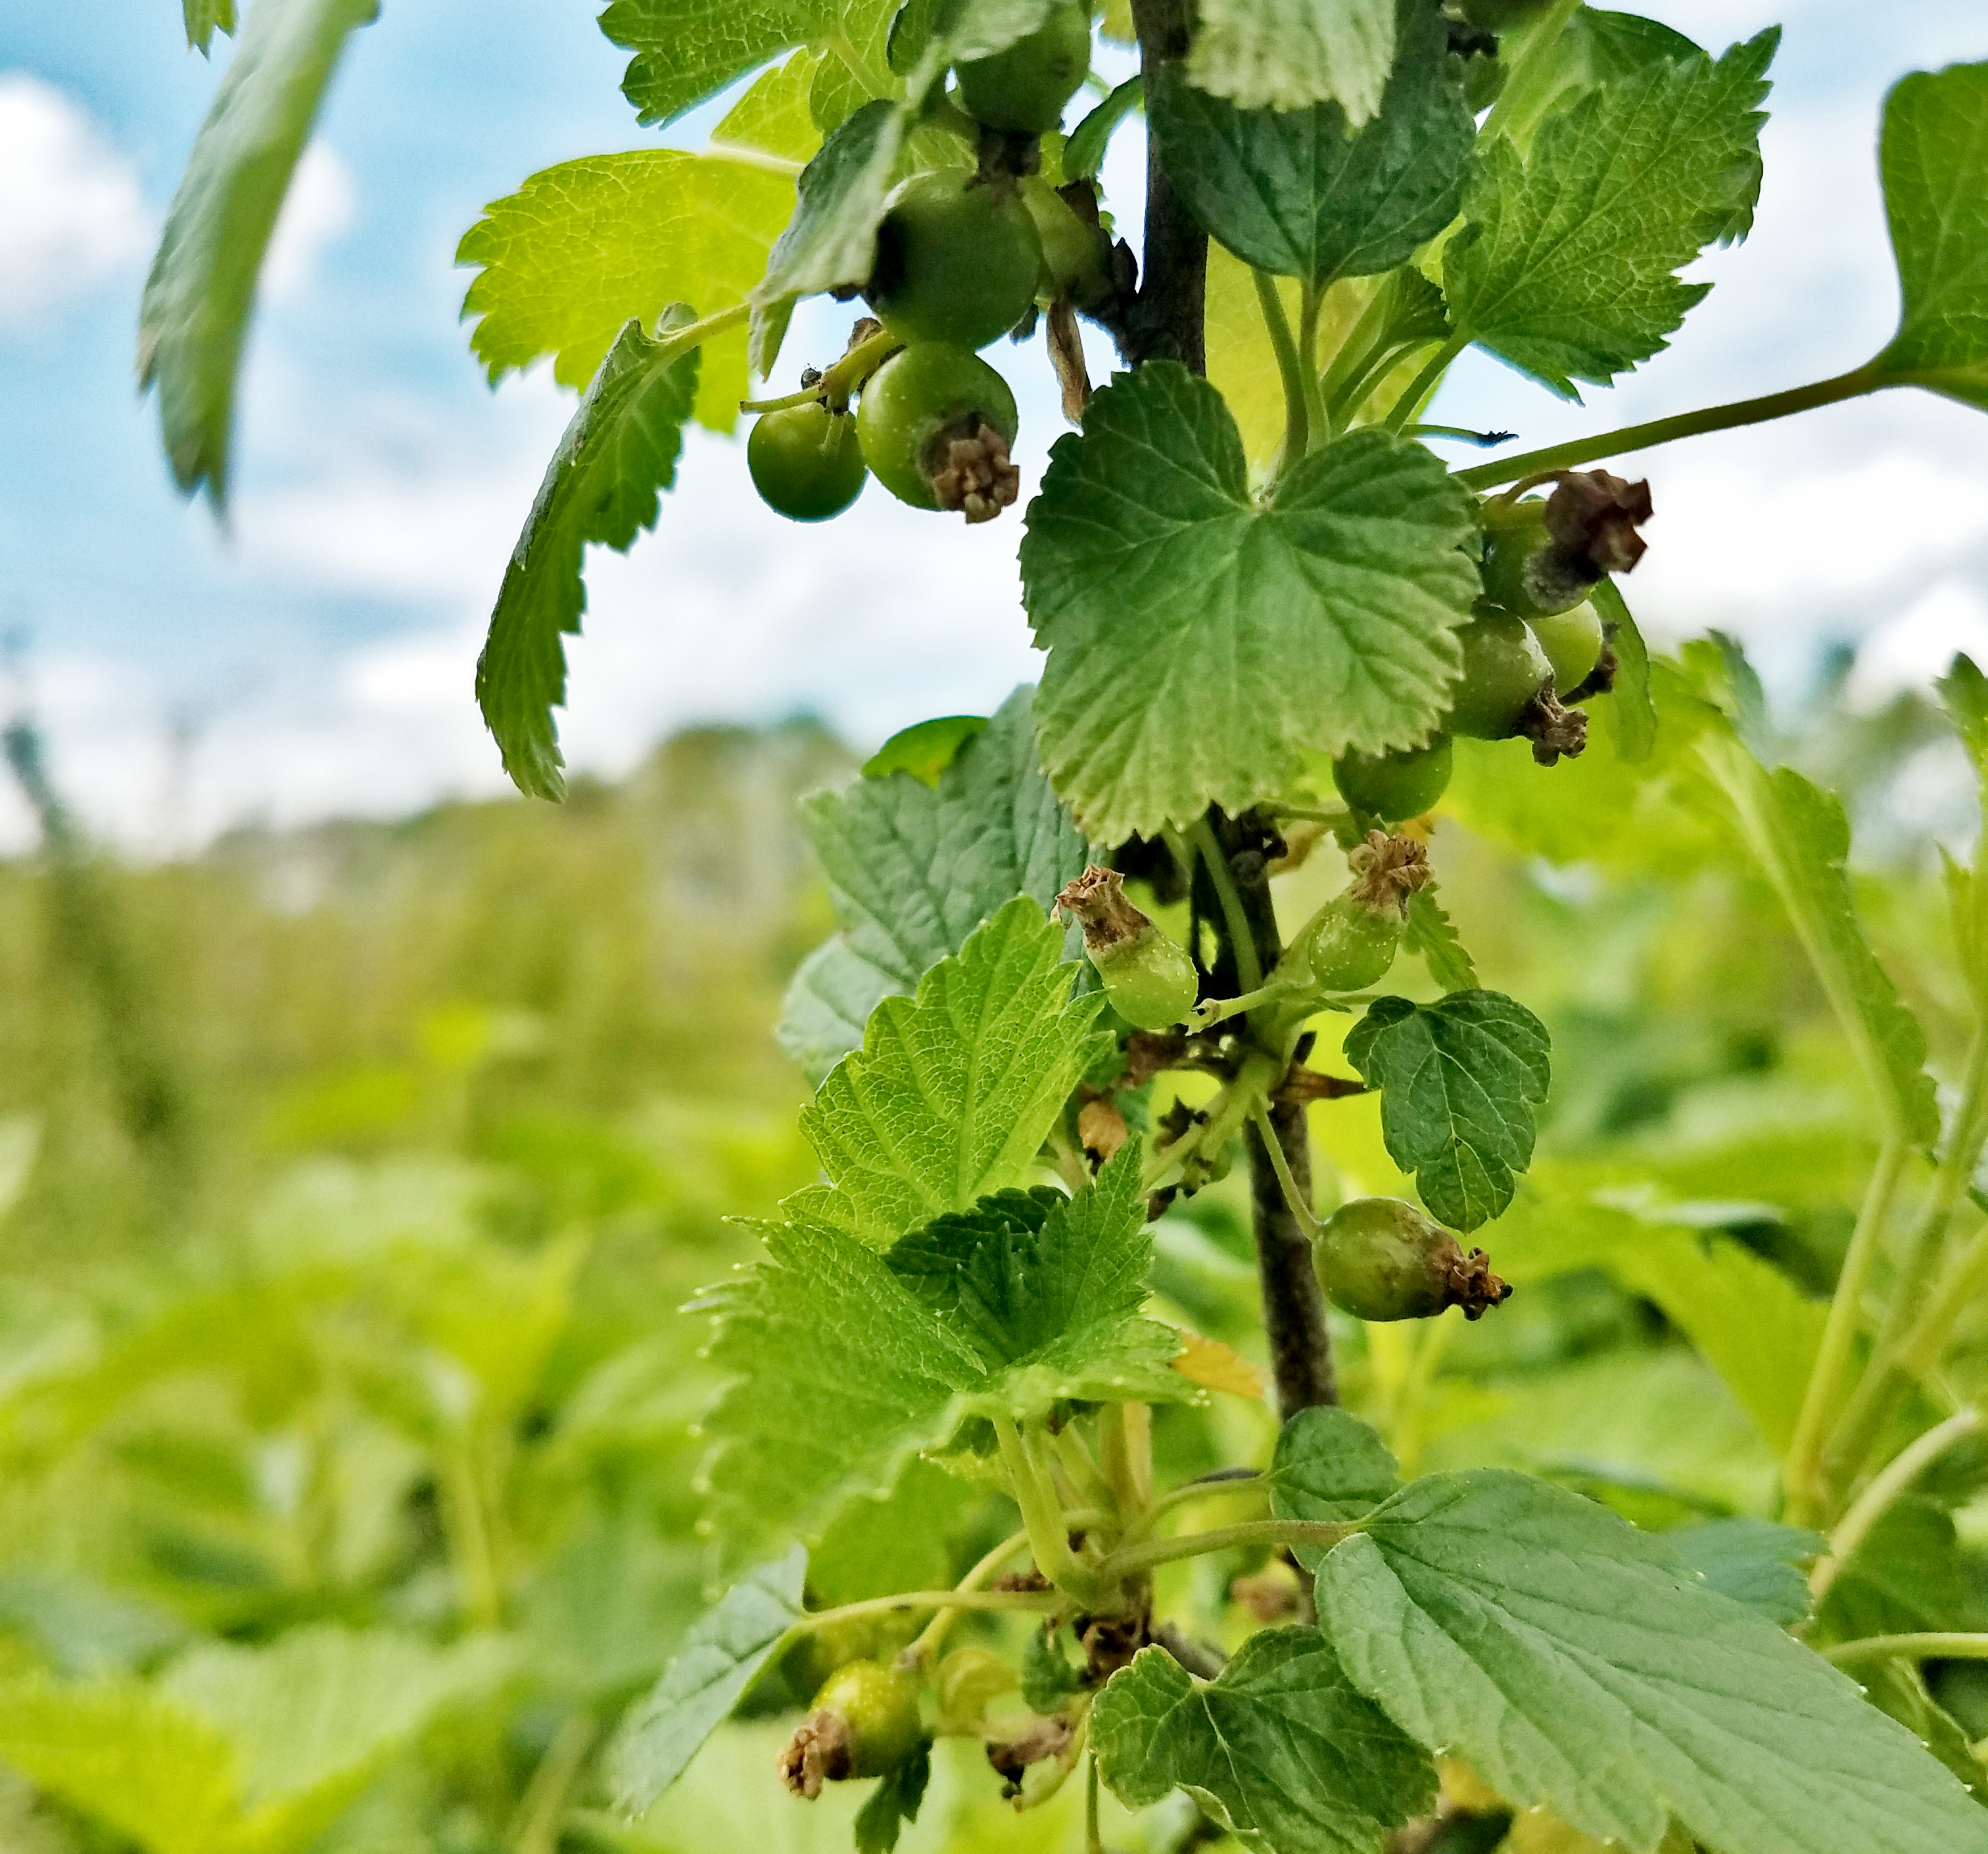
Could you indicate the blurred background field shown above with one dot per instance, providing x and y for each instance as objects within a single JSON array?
[{"x": 352, "y": 1178}]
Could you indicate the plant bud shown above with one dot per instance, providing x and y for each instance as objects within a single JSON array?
[
  {"x": 1149, "y": 978},
  {"x": 1351, "y": 942},
  {"x": 864, "y": 1723},
  {"x": 1380, "y": 1259}
]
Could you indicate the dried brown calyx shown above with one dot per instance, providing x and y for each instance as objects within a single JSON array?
[
  {"x": 1096, "y": 901},
  {"x": 1552, "y": 728},
  {"x": 971, "y": 471},
  {"x": 1471, "y": 1285},
  {"x": 1040, "y": 1738},
  {"x": 1386, "y": 871},
  {"x": 818, "y": 1752},
  {"x": 1101, "y": 1128},
  {"x": 1591, "y": 520}
]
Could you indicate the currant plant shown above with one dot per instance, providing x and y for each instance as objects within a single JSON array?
[{"x": 1062, "y": 1001}]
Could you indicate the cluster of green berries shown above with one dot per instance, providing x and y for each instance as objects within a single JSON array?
[
  {"x": 964, "y": 254},
  {"x": 1534, "y": 643}
]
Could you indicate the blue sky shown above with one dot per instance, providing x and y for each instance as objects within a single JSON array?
[{"x": 316, "y": 659}]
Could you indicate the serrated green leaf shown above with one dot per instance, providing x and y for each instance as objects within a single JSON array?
[
  {"x": 1934, "y": 159},
  {"x": 1566, "y": 263},
  {"x": 193, "y": 316},
  {"x": 204, "y": 18},
  {"x": 726, "y": 1648},
  {"x": 1897, "y": 1688},
  {"x": 951, "y": 1094},
  {"x": 1754, "y": 1562},
  {"x": 1288, "y": 54},
  {"x": 831, "y": 239},
  {"x": 1629, "y": 714},
  {"x": 775, "y": 116},
  {"x": 1593, "y": 48},
  {"x": 686, "y": 50},
  {"x": 1280, "y": 1750},
  {"x": 846, "y": 1372},
  {"x": 1800, "y": 836},
  {"x": 1963, "y": 693},
  {"x": 1572, "y": 1661},
  {"x": 1328, "y": 1466},
  {"x": 1431, "y": 934},
  {"x": 1084, "y": 154},
  {"x": 1459, "y": 1080},
  {"x": 582, "y": 249},
  {"x": 1197, "y": 639},
  {"x": 925, "y": 749},
  {"x": 913, "y": 869},
  {"x": 1294, "y": 192},
  {"x": 603, "y": 488},
  {"x": 1048, "y": 1678},
  {"x": 893, "y": 1803}
]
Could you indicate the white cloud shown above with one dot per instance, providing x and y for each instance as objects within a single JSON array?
[
  {"x": 318, "y": 210},
  {"x": 71, "y": 213}
]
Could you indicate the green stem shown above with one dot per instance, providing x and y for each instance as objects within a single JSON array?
[
  {"x": 1048, "y": 1526},
  {"x": 1035, "y": 1600},
  {"x": 1090, "y": 1484},
  {"x": 1885, "y": 1492},
  {"x": 1425, "y": 383},
  {"x": 1852, "y": 385},
  {"x": 1212, "y": 1011},
  {"x": 542, "y": 1808},
  {"x": 694, "y": 334},
  {"x": 1310, "y": 301},
  {"x": 1802, "y": 1478},
  {"x": 1242, "y": 942},
  {"x": 1364, "y": 344},
  {"x": 1955, "y": 1173},
  {"x": 1094, "y": 1842},
  {"x": 1931, "y": 1647},
  {"x": 1293, "y": 1196},
  {"x": 924, "y": 1650},
  {"x": 1316, "y": 814},
  {"x": 1187, "y": 1493},
  {"x": 1275, "y": 1532},
  {"x": 1297, "y": 425},
  {"x": 1529, "y": 74}
]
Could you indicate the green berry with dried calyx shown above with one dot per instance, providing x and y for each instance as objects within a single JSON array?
[
  {"x": 1149, "y": 978},
  {"x": 1403, "y": 782},
  {"x": 958, "y": 259},
  {"x": 865, "y": 1722},
  {"x": 1541, "y": 557},
  {"x": 1380, "y": 1259},
  {"x": 935, "y": 425},
  {"x": 1506, "y": 689},
  {"x": 1351, "y": 942}
]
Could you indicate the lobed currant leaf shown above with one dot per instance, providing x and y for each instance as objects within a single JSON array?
[
  {"x": 913, "y": 867},
  {"x": 1593, "y": 48},
  {"x": 582, "y": 249},
  {"x": 1280, "y": 1749},
  {"x": 1328, "y": 1466},
  {"x": 849, "y": 1363},
  {"x": 1754, "y": 1562},
  {"x": 204, "y": 18},
  {"x": 1573, "y": 1661},
  {"x": 1459, "y": 1080},
  {"x": 1197, "y": 639},
  {"x": 1288, "y": 54},
  {"x": 1934, "y": 159},
  {"x": 720, "y": 1656},
  {"x": 952, "y": 1092},
  {"x": 1430, "y": 933},
  {"x": 1294, "y": 192},
  {"x": 193, "y": 318},
  {"x": 603, "y": 487},
  {"x": 775, "y": 116},
  {"x": 1565, "y": 265}
]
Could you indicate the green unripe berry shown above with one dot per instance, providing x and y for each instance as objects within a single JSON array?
[
  {"x": 969, "y": 1680},
  {"x": 957, "y": 260},
  {"x": 1390, "y": 786},
  {"x": 1380, "y": 1259},
  {"x": 1025, "y": 87},
  {"x": 918, "y": 409},
  {"x": 1149, "y": 978},
  {"x": 864, "y": 1723},
  {"x": 1572, "y": 641},
  {"x": 1504, "y": 670},
  {"x": 1525, "y": 572},
  {"x": 1351, "y": 942},
  {"x": 805, "y": 462}
]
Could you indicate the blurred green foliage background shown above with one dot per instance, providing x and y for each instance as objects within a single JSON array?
[{"x": 351, "y": 1179}]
